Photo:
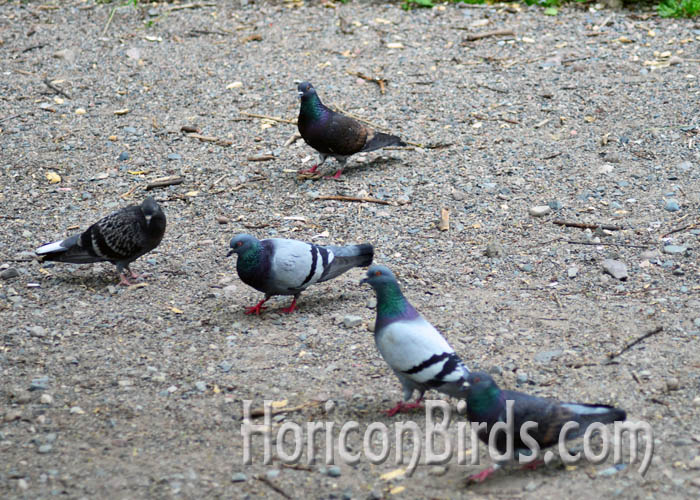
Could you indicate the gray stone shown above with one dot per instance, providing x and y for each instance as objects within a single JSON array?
[
  {"x": 615, "y": 268},
  {"x": 548, "y": 356},
  {"x": 225, "y": 366},
  {"x": 540, "y": 211},
  {"x": 555, "y": 205},
  {"x": 675, "y": 249},
  {"x": 123, "y": 156},
  {"x": 46, "y": 399},
  {"x": 272, "y": 473},
  {"x": 239, "y": 477},
  {"x": 37, "y": 331},
  {"x": 521, "y": 378},
  {"x": 672, "y": 384},
  {"x": 39, "y": 383},
  {"x": 672, "y": 205},
  {"x": 611, "y": 471},
  {"x": 9, "y": 273},
  {"x": 200, "y": 386},
  {"x": 174, "y": 156},
  {"x": 572, "y": 272},
  {"x": 351, "y": 321},
  {"x": 44, "y": 448},
  {"x": 437, "y": 470},
  {"x": 494, "y": 250},
  {"x": 334, "y": 471}
]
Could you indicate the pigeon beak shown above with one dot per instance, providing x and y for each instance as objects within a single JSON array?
[
  {"x": 230, "y": 253},
  {"x": 300, "y": 93},
  {"x": 466, "y": 385}
]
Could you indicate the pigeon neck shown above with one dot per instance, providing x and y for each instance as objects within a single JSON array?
[
  {"x": 486, "y": 403},
  {"x": 392, "y": 305},
  {"x": 249, "y": 260},
  {"x": 311, "y": 106}
]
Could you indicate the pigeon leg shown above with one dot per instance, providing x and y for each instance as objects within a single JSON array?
[
  {"x": 257, "y": 308},
  {"x": 311, "y": 170},
  {"x": 123, "y": 280},
  {"x": 402, "y": 407},
  {"x": 291, "y": 308},
  {"x": 479, "y": 477},
  {"x": 533, "y": 465},
  {"x": 336, "y": 175}
]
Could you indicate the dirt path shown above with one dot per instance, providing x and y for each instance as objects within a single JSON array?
[{"x": 138, "y": 392}]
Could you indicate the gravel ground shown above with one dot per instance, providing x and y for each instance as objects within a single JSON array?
[{"x": 137, "y": 392}]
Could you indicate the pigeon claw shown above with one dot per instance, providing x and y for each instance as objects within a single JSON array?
[
  {"x": 479, "y": 477},
  {"x": 402, "y": 407},
  {"x": 256, "y": 309},
  {"x": 124, "y": 281},
  {"x": 533, "y": 465},
  {"x": 311, "y": 170},
  {"x": 291, "y": 308},
  {"x": 336, "y": 176}
]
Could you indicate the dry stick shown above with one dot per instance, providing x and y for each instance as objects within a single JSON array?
[
  {"x": 485, "y": 34},
  {"x": 272, "y": 485},
  {"x": 353, "y": 198},
  {"x": 109, "y": 21},
  {"x": 55, "y": 89},
  {"x": 190, "y": 6},
  {"x": 207, "y": 138},
  {"x": 500, "y": 91},
  {"x": 165, "y": 181},
  {"x": 606, "y": 244},
  {"x": 260, "y": 158},
  {"x": 679, "y": 229},
  {"x": 583, "y": 225},
  {"x": 379, "y": 81},
  {"x": 260, "y": 412},
  {"x": 273, "y": 118},
  {"x": 656, "y": 330}
]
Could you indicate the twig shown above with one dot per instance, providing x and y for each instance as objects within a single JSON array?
[
  {"x": 493, "y": 89},
  {"x": 354, "y": 198},
  {"x": 124, "y": 196},
  {"x": 55, "y": 89},
  {"x": 240, "y": 186},
  {"x": 444, "y": 224},
  {"x": 292, "y": 139},
  {"x": 296, "y": 466},
  {"x": 679, "y": 229},
  {"x": 379, "y": 81},
  {"x": 606, "y": 244},
  {"x": 261, "y": 158},
  {"x": 260, "y": 412},
  {"x": 216, "y": 140},
  {"x": 583, "y": 225},
  {"x": 109, "y": 20},
  {"x": 173, "y": 180},
  {"x": 656, "y": 330},
  {"x": 273, "y": 118},
  {"x": 195, "y": 5},
  {"x": 553, "y": 155},
  {"x": 471, "y": 37},
  {"x": 264, "y": 479},
  {"x": 32, "y": 47}
]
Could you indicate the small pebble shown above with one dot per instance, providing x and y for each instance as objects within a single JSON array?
[
  {"x": 555, "y": 205},
  {"x": 200, "y": 386},
  {"x": 672, "y": 205},
  {"x": 572, "y": 272},
  {"x": 351, "y": 321},
  {"x": 22, "y": 484},
  {"x": 540, "y": 211},
  {"x": 273, "y": 473},
  {"x": 44, "y": 448},
  {"x": 521, "y": 378},
  {"x": 334, "y": 471},
  {"x": 37, "y": 331},
  {"x": 9, "y": 273},
  {"x": 39, "y": 383},
  {"x": 615, "y": 268},
  {"x": 675, "y": 249},
  {"x": 77, "y": 410},
  {"x": 123, "y": 156},
  {"x": 672, "y": 384},
  {"x": 174, "y": 156},
  {"x": 239, "y": 477},
  {"x": 494, "y": 250},
  {"x": 437, "y": 470},
  {"x": 695, "y": 463},
  {"x": 46, "y": 399}
]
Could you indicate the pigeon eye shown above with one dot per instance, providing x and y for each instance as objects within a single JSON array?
[
  {"x": 377, "y": 273},
  {"x": 239, "y": 243},
  {"x": 477, "y": 380}
]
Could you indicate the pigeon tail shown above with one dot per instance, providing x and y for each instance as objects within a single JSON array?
[
  {"x": 66, "y": 250},
  {"x": 347, "y": 257},
  {"x": 378, "y": 140},
  {"x": 587, "y": 414}
]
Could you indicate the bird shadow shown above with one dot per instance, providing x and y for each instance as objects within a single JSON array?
[{"x": 356, "y": 167}]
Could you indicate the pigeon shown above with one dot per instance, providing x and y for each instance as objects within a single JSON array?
[
  {"x": 334, "y": 134},
  {"x": 486, "y": 402},
  {"x": 419, "y": 355},
  {"x": 120, "y": 238},
  {"x": 287, "y": 267}
]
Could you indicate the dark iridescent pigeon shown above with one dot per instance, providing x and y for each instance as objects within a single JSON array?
[
  {"x": 120, "y": 238},
  {"x": 334, "y": 134},
  {"x": 486, "y": 402},
  {"x": 419, "y": 355},
  {"x": 287, "y": 267}
]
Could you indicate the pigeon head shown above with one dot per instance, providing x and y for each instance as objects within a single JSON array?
[
  {"x": 484, "y": 395},
  {"x": 306, "y": 90},
  {"x": 242, "y": 244},
  {"x": 379, "y": 276},
  {"x": 151, "y": 209}
]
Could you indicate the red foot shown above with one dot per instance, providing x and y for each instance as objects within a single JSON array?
[
  {"x": 134, "y": 275},
  {"x": 336, "y": 175},
  {"x": 533, "y": 465},
  {"x": 257, "y": 308},
  {"x": 291, "y": 308},
  {"x": 402, "y": 407},
  {"x": 123, "y": 280},
  {"x": 311, "y": 170},
  {"x": 477, "y": 478}
]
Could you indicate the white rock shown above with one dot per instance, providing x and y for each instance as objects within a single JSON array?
[{"x": 540, "y": 211}]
